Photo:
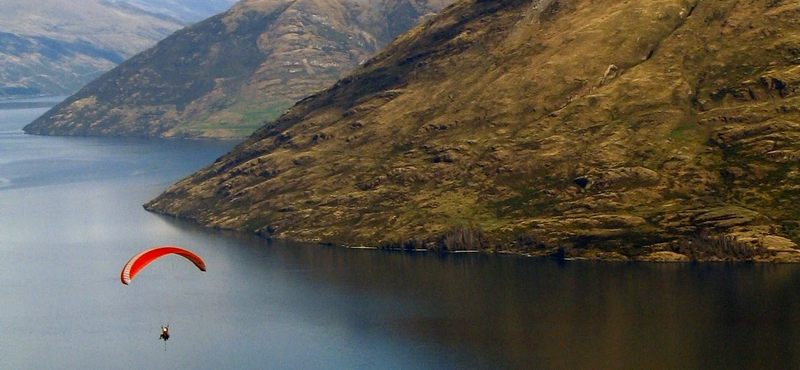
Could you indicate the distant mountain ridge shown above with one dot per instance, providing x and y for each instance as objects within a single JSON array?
[
  {"x": 640, "y": 130},
  {"x": 55, "y": 47},
  {"x": 188, "y": 11},
  {"x": 230, "y": 74}
]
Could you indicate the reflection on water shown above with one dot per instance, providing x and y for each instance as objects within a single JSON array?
[
  {"x": 484, "y": 311},
  {"x": 71, "y": 217}
]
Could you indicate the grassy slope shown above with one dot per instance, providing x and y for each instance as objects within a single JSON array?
[{"x": 612, "y": 125}]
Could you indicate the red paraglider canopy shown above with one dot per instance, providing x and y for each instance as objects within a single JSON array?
[{"x": 141, "y": 260}]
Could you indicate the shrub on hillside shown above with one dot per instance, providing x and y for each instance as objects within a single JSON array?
[
  {"x": 711, "y": 245},
  {"x": 461, "y": 238}
]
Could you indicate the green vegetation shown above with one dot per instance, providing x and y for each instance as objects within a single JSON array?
[
  {"x": 247, "y": 117},
  {"x": 792, "y": 229},
  {"x": 254, "y": 115},
  {"x": 617, "y": 140}
]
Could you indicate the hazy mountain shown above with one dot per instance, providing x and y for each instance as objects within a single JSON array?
[
  {"x": 230, "y": 74},
  {"x": 611, "y": 129},
  {"x": 54, "y": 47},
  {"x": 188, "y": 11}
]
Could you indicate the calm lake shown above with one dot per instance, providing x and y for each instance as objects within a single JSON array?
[{"x": 71, "y": 216}]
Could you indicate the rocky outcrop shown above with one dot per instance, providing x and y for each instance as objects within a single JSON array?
[{"x": 664, "y": 256}]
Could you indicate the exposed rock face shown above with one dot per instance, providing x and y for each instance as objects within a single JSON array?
[
  {"x": 505, "y": 115},
  {"x": 230, "y": 74},
  {"x": 664, "y": 256}
]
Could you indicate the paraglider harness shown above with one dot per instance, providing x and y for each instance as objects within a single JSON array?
[{"x": 164, "y": 333}]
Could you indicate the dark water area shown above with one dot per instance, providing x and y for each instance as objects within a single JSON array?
[{"x": 71, "y": 216}]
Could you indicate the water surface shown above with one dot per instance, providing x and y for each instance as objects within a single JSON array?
[{"x": 71, "y": 216}]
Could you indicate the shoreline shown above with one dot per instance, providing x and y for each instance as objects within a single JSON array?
[{"x": 775, "y": 256}]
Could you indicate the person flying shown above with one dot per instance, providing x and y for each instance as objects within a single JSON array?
[{"x": 164, "y": 333}]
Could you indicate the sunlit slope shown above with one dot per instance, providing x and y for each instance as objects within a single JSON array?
[
  {"x": 232, "y": 73},
  {"x": 607, "y": 128}
]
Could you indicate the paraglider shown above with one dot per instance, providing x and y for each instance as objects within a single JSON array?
[{"x": 141, "y": 260}]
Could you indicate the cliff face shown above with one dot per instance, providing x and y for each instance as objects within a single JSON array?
[
  {"x": 611, "y": 129},
  {"x": 230, "y": 74}
]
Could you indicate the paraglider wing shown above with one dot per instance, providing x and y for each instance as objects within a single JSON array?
[{"x": 141, "y": 260}]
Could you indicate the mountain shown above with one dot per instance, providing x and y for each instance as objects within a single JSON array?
[
  {"x": 54, "y": 47},
  {"x": 228, "y": 75},
  {"x": 595, "y": 128}
]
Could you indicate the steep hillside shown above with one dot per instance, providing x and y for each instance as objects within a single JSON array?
[
  {"x": 54, "y": 47},
  {"x": 230, "y": 74},
  {"x": 613, "y": 129}
]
